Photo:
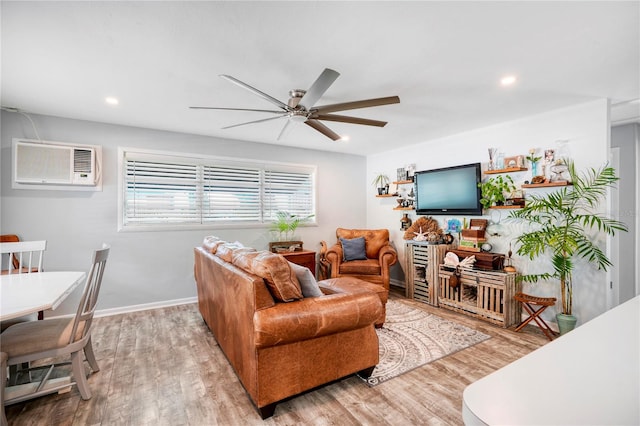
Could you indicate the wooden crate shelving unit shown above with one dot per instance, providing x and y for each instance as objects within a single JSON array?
[
  {"x": 421, "y": 270},
  {"x": 487, "y": 295}
]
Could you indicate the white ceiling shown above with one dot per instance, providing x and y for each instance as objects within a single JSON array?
[{"x": 443, "y": 59}]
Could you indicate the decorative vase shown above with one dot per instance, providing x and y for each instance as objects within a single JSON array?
[
  {"x": 534, "y": 169},
  {"x": 405, "y": 222},
  {"x": 566, "y": 323}
]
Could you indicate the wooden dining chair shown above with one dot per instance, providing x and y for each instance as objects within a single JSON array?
[
  {"x": 58, "y": 337},
  {"x": 10, "y": 238},
  {"x": 21, "y": 257}
]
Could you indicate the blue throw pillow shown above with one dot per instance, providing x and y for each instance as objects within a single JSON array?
[
  {"x": 308, "y": 283},
  {"x": 353, "y": 249}
]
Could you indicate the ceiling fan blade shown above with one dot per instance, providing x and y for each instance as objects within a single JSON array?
[
  {"x": 255, "y": 121},
  {"x": 237, "y": 109},
  {"x": 256, "y": 92},
  {"x": 284, "y": 130},
  {"x": 317, "y": 89},
  {"x": 323, "y": 129},
  {"x": 357, "y": 104},
  {"x": 347, "y": 119}
]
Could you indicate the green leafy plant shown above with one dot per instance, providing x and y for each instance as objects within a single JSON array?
[
  {"x": 562, "y": 220},
  {"x": 494, "y": 190},
  {"x": 380, "y": 180},
  {"x": 287, "y": 223}
]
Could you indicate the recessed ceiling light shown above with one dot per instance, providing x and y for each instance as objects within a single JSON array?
[
  {"x": 111, "y": 100},
  {"x": 508, "y": 80}
]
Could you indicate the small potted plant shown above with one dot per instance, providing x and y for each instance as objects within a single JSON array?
[
  {"x": 286, "y": 224},
  {"x": 495, "y": 190},
  {"x": 561, "y": 223},
  {"x": 382, "y": 182}
]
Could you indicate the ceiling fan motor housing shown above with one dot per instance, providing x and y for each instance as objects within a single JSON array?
[{"x": 295, "y": 97}]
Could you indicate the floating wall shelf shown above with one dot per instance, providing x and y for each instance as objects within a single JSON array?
[
  {"x": 509, "y": 170},
  {"x": 546, "y": 184},
  {"x": 505, "y": 207}
]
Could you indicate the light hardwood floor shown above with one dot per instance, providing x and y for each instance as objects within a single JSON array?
[{"x": 163, "y": 367}]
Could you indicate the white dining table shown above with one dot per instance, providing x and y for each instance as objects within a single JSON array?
[
  {"x": 23, "y": 294},
  {"x": 590, "y": 376}
]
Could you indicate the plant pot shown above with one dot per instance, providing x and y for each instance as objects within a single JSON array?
[
  {"x": 566, "y": 323},
  {"x": 380, "y": 191}
]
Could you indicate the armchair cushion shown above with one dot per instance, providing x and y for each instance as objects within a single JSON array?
[
  {"x": 361, "y": 267},
  {"x": 308, "y": 283},
  {"x": 353, "y": 249}
]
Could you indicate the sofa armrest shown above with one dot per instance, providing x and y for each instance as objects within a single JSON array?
[{"x": 315, "y": 316}]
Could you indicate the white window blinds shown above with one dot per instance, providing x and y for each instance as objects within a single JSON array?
[
  {"x": 288, "y": 191},
  {"x": 165, "y": 190}
]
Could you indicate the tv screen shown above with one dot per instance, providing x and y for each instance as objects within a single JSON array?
[{"x": 449, "y": 191}]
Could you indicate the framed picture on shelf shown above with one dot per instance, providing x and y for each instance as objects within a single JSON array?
[
  {"x": 511, "y": 162},
  {"x": 410, "y": 171}
]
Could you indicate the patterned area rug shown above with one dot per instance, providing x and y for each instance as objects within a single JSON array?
[{"x": 412, "y": 337}]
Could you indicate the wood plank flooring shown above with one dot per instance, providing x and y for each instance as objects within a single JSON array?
[{"x": 163, "y": 367}]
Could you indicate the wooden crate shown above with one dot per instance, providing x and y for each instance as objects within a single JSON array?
[
  {"x": 421, "y": 270},
  {"x": 487, "y": 295}
]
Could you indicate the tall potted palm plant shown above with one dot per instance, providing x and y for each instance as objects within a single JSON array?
[{"x": 561, "y": 222}]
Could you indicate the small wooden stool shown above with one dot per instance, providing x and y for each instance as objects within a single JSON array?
[{"x": 528, "y": 303}]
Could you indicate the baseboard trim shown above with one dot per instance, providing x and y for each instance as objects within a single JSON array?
[
  {"x": 396, "y": 283},
  {"x": 136, "y": 308},
  {"x": 144, "y": 307}
]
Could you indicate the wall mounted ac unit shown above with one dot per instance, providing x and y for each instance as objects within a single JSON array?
[{"x": 50, "y": 163}]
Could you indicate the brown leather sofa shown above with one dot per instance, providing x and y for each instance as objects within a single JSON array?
[
  {"x": 380, "y": 256},
  {"x": 280, "y": 349}
]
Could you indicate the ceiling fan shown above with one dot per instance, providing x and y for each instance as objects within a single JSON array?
[{"x": 301, "y": 106}]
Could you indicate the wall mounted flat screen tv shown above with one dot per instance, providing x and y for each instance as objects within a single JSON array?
[{"x": 449, "y": 191}]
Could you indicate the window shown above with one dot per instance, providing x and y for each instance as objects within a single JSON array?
[{"x": 168, "y": 191}]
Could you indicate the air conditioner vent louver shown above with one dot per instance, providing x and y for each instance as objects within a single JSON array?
[{"x": 82, "y": 160}]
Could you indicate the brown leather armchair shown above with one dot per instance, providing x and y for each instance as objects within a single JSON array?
[{"x": 374, "y": 269}]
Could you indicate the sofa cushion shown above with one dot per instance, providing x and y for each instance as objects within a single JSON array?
[
  {"x": 274, "y": 269},
  {"x": 225, "y": 250},
  {"x": 353, "y": 249},
  {"x": 211, "y": 243},
  {"x": 307, "y": 281}
]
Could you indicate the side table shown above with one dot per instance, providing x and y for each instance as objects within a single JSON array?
[{"x": 304, "y": 258}]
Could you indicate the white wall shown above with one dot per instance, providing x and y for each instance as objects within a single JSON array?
[
  {"x": 150, "y": 267},
  {"x": 586, "y": 128}
]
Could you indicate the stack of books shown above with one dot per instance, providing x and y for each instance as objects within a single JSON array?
[{"x": 473, "y": 237}]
